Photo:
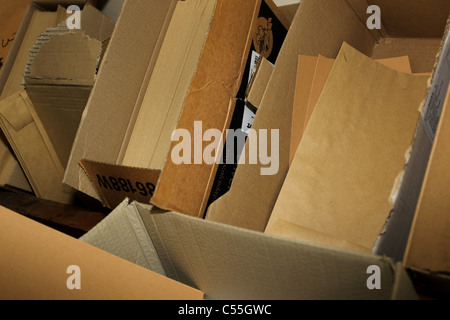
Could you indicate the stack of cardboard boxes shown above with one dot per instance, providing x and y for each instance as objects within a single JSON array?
[{"x": 355, "y": 208}]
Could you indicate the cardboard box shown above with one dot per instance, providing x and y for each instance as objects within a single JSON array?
[
  {"x": 11, "y": 174},
  {"x": 40, "y": 121},
  {"x": 320, "y": 28},
  {"x": 428, "y": 255},
  {"x": 39, "y": 263},
  {"x": 228, "y": 263},
  {"x": 209, "y": 96}
]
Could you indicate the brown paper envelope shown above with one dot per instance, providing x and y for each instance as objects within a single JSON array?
[
  {"x": 309, "y": 87},
  {"x": 352, "y": 151}
]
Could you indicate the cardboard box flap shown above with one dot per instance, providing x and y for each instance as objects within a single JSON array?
[
  {"x": 111, "y": 182},
  {"x": 123, "y": 234},
  {"x": 96, "y": 138},
  {"x": 250, "y": 265},
  {"x": 36, "y": 264},
  {"x": 256, "y": 266}
]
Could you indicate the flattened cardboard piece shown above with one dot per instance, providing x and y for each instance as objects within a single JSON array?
[
  {"x": 309, "y": 86},
  {"x": 112, "y": 182},
  {"x": 97, "y": 139},
  {"x": 428, "y": 246},
  {"x": 317, "y": 28},
  {"x": 32, "y": 146},
  {"x": 245, "y": 268},
  {"x": 353, "y": 149},
  {"x": 123, "y": 234},
  {"x": 36, "y": 265}
]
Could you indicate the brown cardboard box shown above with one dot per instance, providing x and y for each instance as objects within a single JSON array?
[
  {"x": 36, "y": 263},
  {"x": 40, "y": 121},
  {"x": 209, "y": 95},
  {"x": 320, "y": 28}
]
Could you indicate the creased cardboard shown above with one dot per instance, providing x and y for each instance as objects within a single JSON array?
[
  {"x": 36, "y": 263},
  {"x": 250, "y": 266},
  {"x": 352, "y": 151}
]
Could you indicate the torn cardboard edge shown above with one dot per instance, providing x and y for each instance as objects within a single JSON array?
[
  {"x": 185, "y": 247},
  {"x": 79, "y": 49}
]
